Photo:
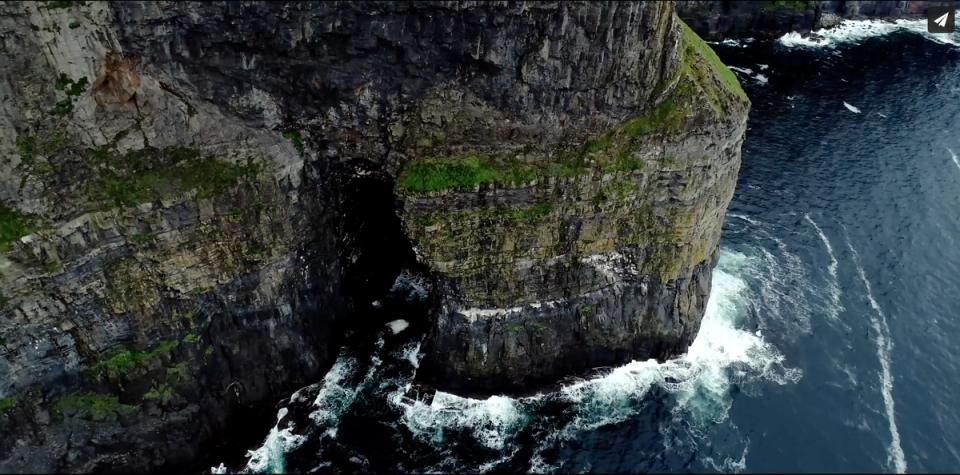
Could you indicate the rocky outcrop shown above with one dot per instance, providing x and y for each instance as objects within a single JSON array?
[
  {"x": 589, "y": 244},
  {"x": 720, "y": 19},
  {"x": 197, "y": 201}
]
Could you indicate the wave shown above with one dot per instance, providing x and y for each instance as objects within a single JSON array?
[
  {"x": 855, "y": 31},
  {"x": 954, "y": 157},
  {"x": 724, "y": 353},
  {"x": 884, "y": 348},
  {"x": 269, "y": 457},
  {"x": 481, "y": 435},
  {"x": 834, "y": 285}
]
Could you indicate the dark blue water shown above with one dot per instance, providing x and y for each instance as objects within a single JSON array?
[{"x": 829, "y": 340}]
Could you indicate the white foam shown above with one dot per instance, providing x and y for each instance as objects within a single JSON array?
[
  {"x": 884, "y": 347},
  {"x": 335, "y": 396},
  {"x": 834, "y": 287},
  {"x": 851, "y": 108},
  {"x": 746, "y": 71},
  {"x": 733, "y": 43},
  {"x": 397, "y": 326},
  {"x": 954, "y": 157},
  {"x": 492, "y": 421},
  {"x": 855, "y": 31},
  {"x": 701, "y": 379},
  {"x": 269, "y": 458},
  {"x": 411, "y": 353}
]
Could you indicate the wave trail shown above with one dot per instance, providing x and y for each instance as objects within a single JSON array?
[
  {"x": 831, "y": 268},
  {"x": 884, "y": 347}
]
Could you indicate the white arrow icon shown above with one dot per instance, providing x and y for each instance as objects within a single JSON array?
[{"x": 941, "y": 21}]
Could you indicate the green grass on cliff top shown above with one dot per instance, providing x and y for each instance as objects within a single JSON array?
[
  {"x": 13, "y": 225},
  {"x": 694, "y": 44}
]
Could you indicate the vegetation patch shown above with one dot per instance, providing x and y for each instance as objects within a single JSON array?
[
  {"x": 519, "y": 327},
  {"x": 464, "y": 171},
  {"x": 89, "y": 405},
  {"x": 13, "y": 226},
  {"x": 31, "y": 147},
  {"x": 125, "y": 360},
  {"x": 162, "y": 393},
  {"x": 143, "y": 238},
  {"x": 7, "y": 403},
  {"x": 72, "y": 88},
  {"x": 179, "y": 372},
  {"x": 191, "y": 338},
  {"x": 667, "y": 116},
  {"x": 701, "y": 63},
  {"x": 295, "y": 137},
  {"x": 151, "y": 174}
]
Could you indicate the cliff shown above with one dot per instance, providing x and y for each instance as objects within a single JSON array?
[
  {"x": 198, "y": 201},
  {"x": 719, "y": 19}
]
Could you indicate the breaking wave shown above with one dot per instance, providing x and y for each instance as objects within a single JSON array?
[{"x": 855, "y": 31}]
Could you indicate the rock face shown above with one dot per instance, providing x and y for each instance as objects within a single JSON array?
[
  {"x": 719, "y": 19},
  {"x": 198, "y": 200}
]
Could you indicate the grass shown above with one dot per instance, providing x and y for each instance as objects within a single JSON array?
[
  {"x": 665, "y": 116},
  {"x": 295, "y": 137},
  {"x": 89, "y": 405},
  {"x": 13, "y": 225},
  {"x": 30, "y": 147},
  {"x": 693, "y": 48},
  {"x": 151, "y": 174},
  {"x": 143, "y": 238},
  {"x": 73, "y": 89},
  {"x": 178, "y": 373},
  {"x": 125, "y": 360},
  {"x": 191, "y": 338},
  {"x": 463, "y": 172},
  {"x": 162, "y": 393},
  {"x": 7, "y": 403}
]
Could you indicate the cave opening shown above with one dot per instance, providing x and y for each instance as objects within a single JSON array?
[{"x": 381, "y": 275}]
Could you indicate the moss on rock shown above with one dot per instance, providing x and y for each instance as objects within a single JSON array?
[
  {"x": 13, "y": 225},
  {"x": 90, "y": 405}
]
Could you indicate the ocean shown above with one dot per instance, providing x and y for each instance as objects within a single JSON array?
[{"x": 828, "y": 339}]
